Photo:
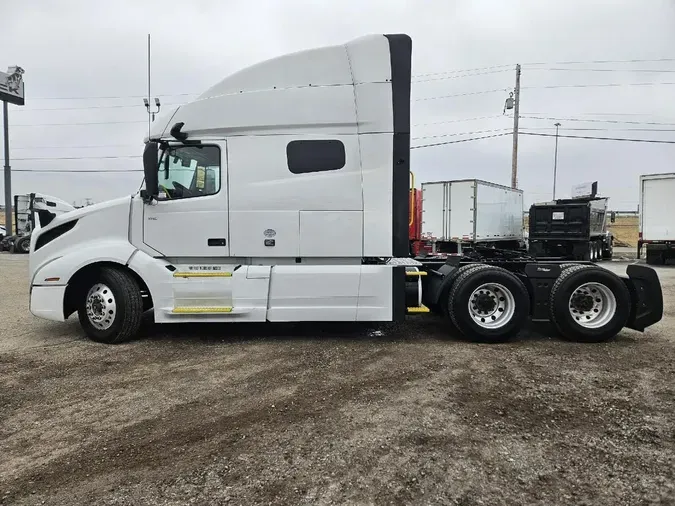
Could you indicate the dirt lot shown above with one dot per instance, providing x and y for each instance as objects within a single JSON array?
[{"x": 306, "y": 414}]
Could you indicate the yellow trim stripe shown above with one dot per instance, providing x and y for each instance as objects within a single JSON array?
[
  {"x": 217, "y": 274},
  {"x": 196, "y": 310},
  {"x": 415, "y": 273},
  {"x": 419, "y": 309}
]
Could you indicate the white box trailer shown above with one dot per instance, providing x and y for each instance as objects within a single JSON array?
[
  {"x": 657, "y": 217},
  {"x": 471, "y": 211}
]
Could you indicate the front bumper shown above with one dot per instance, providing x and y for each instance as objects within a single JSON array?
[
  {"x": 47, "y": 302},
  {"x": 646, "y": 295}
]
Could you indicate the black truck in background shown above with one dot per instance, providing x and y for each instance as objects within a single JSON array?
[{"x": 571, "y": 229}]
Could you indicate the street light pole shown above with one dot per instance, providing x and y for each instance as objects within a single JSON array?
[
  {"x": 555, "y": 159},
  {"x": 8, "y": 171},
  {"x": 146, "y": 101}
]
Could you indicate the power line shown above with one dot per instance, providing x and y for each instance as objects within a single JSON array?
[
  {"x": 545, "y": 87},
  {"x": 83, "y": 171},
  {"x": 598, "y": 114},
  {"x": 461, "y": 133},
  {"x": 463, "y": 94},
  {"x": 460, "y": 120},
  {"x": 87, "y": 108},
  {"x": 77, "y": 147},
  {"x": 115, "y": 97},
  {"x": 614, "y": 121},
  {"x": 591, "y": 85},
  {"x": 654, "y": 141},
  {"x": 605, "y": 129},
  {"x": 603, "y": 70},
  {"x": 459, "y": 76},
  {"x": 77, "y": 124},
  {"x": 111, "y": 157},
  {"x": 461, "y": 140},
  {"x": 639, "y": 60}
]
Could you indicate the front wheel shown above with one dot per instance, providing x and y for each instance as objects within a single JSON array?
[
  {"x": 23, "y": 245},
  {"x": 488, "y": 304},
  {"x": 589, "y": 304},
  {"x": 111, "y": 307}
]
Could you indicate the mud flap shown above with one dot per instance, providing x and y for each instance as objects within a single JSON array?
[{"x": 646, "y": 297}]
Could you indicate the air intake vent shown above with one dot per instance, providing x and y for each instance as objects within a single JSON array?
[{"x": 50, "y": 235}]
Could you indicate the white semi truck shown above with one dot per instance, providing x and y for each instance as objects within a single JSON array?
[{"x": 282, "y": 194}]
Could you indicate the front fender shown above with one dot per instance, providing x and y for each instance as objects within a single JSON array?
[{"x": 61, "y": 269}]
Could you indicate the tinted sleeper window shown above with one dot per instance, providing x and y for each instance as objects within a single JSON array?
[{"x": 315, "y": 156}]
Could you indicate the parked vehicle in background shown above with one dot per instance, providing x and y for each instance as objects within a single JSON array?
[
  {"x": 657, "y": 217},
  {"x": 31, "y": 212},
  {"x": 571, "y": 229},
  {"x": 467, "y": 213}
]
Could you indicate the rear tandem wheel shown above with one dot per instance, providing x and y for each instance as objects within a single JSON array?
[
  {"x": 488, "y": 303},
  {"x": 589, "y": 304}
]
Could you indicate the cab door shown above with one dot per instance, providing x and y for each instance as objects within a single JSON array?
[{"x": 190, "y": 217}]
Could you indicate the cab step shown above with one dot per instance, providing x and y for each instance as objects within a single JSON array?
[
  {"x": 202, "y": 274},
  {"x": 202, "y": 310},
  {"x": 418, "y": 309}
]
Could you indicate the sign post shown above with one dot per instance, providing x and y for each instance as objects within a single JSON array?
[{"x": 11, "y": 92}]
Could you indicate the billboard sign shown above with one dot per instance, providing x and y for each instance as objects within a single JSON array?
[{"x": 11, "y": 86}]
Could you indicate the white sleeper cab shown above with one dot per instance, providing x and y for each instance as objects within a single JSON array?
[{"x": 282, "y": 194}]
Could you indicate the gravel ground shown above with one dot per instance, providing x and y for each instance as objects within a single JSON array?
[{"x": 326, "y": 414}]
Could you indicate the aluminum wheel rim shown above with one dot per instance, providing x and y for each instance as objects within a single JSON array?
[
  {"x": 504, "y": 306},
  {"x": 101, "y": 306},
  {"x": 592, "y": 305}
]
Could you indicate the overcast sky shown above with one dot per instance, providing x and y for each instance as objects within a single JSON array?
[{"x": 74, "y": 54}]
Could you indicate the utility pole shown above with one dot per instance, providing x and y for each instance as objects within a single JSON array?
[
  {"x": 8, "y": 171},
  {"x": 12, "y": 92},
  {"x": 516, "y": 114},
  {"x": 146, "y": 101},
  {"x": 555, "y": 159}
]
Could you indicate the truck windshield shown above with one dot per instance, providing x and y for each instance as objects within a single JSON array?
[{"x": 189, "y": 171}]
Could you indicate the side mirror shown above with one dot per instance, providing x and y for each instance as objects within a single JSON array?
[
  {"x": 612, "y": 217},
  {"x": 150, "y": 171}
]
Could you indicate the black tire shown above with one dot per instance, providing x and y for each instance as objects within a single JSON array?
[
  {"x": 608, "y": 253},
  {"x": 594, "y": 252},
  {"x": 22, "y": 245},
  {"x": 443, "y": 298},
  {"x": 566, "y": 318},
  {"x": 461, "y": 293},
  {"x": 568, "y": 265},
  {"x": 128, "y": 301},
  {"x": 587, "y": 255}
]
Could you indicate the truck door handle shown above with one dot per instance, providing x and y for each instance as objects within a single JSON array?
[{"x": 217, "y": 241}]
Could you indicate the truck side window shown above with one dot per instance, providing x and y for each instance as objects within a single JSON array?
[
  {"x": 189, "y": 171},
  {"x": 315, "y": 155}
]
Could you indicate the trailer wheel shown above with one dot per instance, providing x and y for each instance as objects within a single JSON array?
[
  {"x": 488, "y": 304},
  {"x": 608, "y": 253},
  {"x": 111, "y": 307},
  {"x": 589, "y": 304}
]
